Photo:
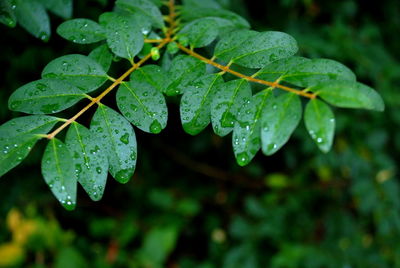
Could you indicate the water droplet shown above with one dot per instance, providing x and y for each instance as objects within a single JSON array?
[
  {"x": 98, "y": 170},
  {"x": 242, "y": 159},
  {"x": 319, "y": 140},
  {"x": 155, "y": 127},
  {"x": 125, "y": 138}
]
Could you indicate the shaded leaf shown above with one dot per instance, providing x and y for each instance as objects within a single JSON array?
[
  {"x": 144, "y": 7},
  {"x": 44, "y": 96},
  {"x": 153, "y": 75},
  {"x": 58, "y": 172},
  {"x": 102, "y": 55},
  {"x": 320, "y": 123},
  {"x": 78, "y": 70},
  {"x": 316, "y": 71},
  {"x": 227, "y": 103},
  {"x": 253, "y": 49},
  {"x": 226, "y": 17},
  {"x": 142, "y": 104},
  {"x": 123, "y": 34},
  {"x": 195, "y": 105},
  {"x": 90, "y": 161},
  {"x": 279, "y": 119},
  {"x": 19, "y": 135},
  {"x": 350, "y": 95},
  {"x": 62, "y": 8},
  {"x": 247, "y": 131},
  {"x": 32, "y": 16},
  {"x": 7, "y": 14},
  {"x": 184, "y": 70},
  {"x": 200, "y": 32},
  {"x": 117, "y": 140},
  {"x": 81, "y": 31}
]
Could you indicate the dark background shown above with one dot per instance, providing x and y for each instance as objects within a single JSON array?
[{"x": 190, "y": 205}]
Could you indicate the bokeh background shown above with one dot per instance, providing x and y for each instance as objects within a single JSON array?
[{"x": 190, "y": 205}]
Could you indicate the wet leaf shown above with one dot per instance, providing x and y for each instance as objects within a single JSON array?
[
  {"x": 320, "y": 123},
  {"x": 90, "y": 161},
  {"x": 44, "y": 96},
  {"x": 78, "y": 70},
  {"x": 103, "y": 56},
  {"x": 227, "y": 103},
  {"x": 58, "y": 172},
  {"x": 144, "y": 7},
  {"x": 116, "y": 138},
  {"x": 200, "y": 32},
  {"x": 81, "y": 31},
  {"x": 19, "y": 135}
]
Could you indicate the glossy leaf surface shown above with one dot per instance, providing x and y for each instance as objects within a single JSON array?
[
  {"x": 117, "y": 140},
  {"x": 81, "y": 31},
  {"x": 59, "y": 174},
  {"x": 90, "y": 161},
  {"x": 44, "y": 96}
]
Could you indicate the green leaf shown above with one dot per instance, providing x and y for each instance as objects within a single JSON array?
[
  {"x": 153, "y": 75},
  {"x": 144, "y": 7},
  {"x": 347, "y": 94},
  {"x": 227, "y": 103},
  {"x": 78, "y": 70},
  {"x": 184, "y": 69},
  {"x": 195, "y": 105},
  {"x": 90, "y": 162},
  {"x": 117, "y": 140},
  {"x": 62, "y": 8},
  {"x": 316, "y": 71},
  {"x": 18, "y": 136},
  {"x": 201, "y": 4},
  {"x": 32, "y": 16},
  {"x": 7, "y": 15},
  {"x": 320, "y": 123},
  {"x": 224, "y": 17},
  {"x": 58, "y": 172},
  {"x": 81, "y": 31},
  {"x": 247, "y": 131},
  {"x": 123, "y": 34},
  {"x": 280, "y": 118},
  {"x": 200, "y": 32},
  {"x": 277, "y": 69},
  {"x": 253, "y": 49},
  {"x": 102, "y": 55},
  {"x": 44, "y": 96},
  {"x": 142, "y": 104}
]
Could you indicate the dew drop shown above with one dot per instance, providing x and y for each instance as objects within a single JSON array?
[
  {"x": 125, "y": 138},
  {"x": 155, "y": 127}
]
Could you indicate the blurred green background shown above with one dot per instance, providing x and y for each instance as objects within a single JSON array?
[{"x": 190, "y": 205}]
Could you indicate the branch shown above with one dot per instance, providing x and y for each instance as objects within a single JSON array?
[{"x": 248, "y": 78}]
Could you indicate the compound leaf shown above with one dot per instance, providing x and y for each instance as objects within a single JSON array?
[
  {"x": 246, "y": 133},
  {"x": 102, "y": 55},
  {"x": 227, "y": 103},
  {"x": 347, "y": 94},
  {"x": 32, "y": 16},
  {"x": 200, "y": 32},
  {"x": 90, "y": 162},
  {"x": 320, "y": 123},
  {"x": 81, "y": 31},
  {"x": 78, "y": 70},
  {"x": 144, "y": 7},
  {"x": 142, "y": 104},
  {"x": 253, "y": 49},
  {"x": 19, "y": 135},
  {"x": 58, "y": 172},
  {"x": 124, "y": 36},
  {"x": 44, "y": 96},
  {"x": 195, "y": 105},
  {"x": 316, "y": 71},
  {"x": 184, "y": 69},
  {"x": 116, "y": 138},
  {"x": 280, "y": 118}
]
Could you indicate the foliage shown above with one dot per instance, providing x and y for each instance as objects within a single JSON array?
[
  {"x": 128, "y": 32},
  {"x": 295, "y": 208}
]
